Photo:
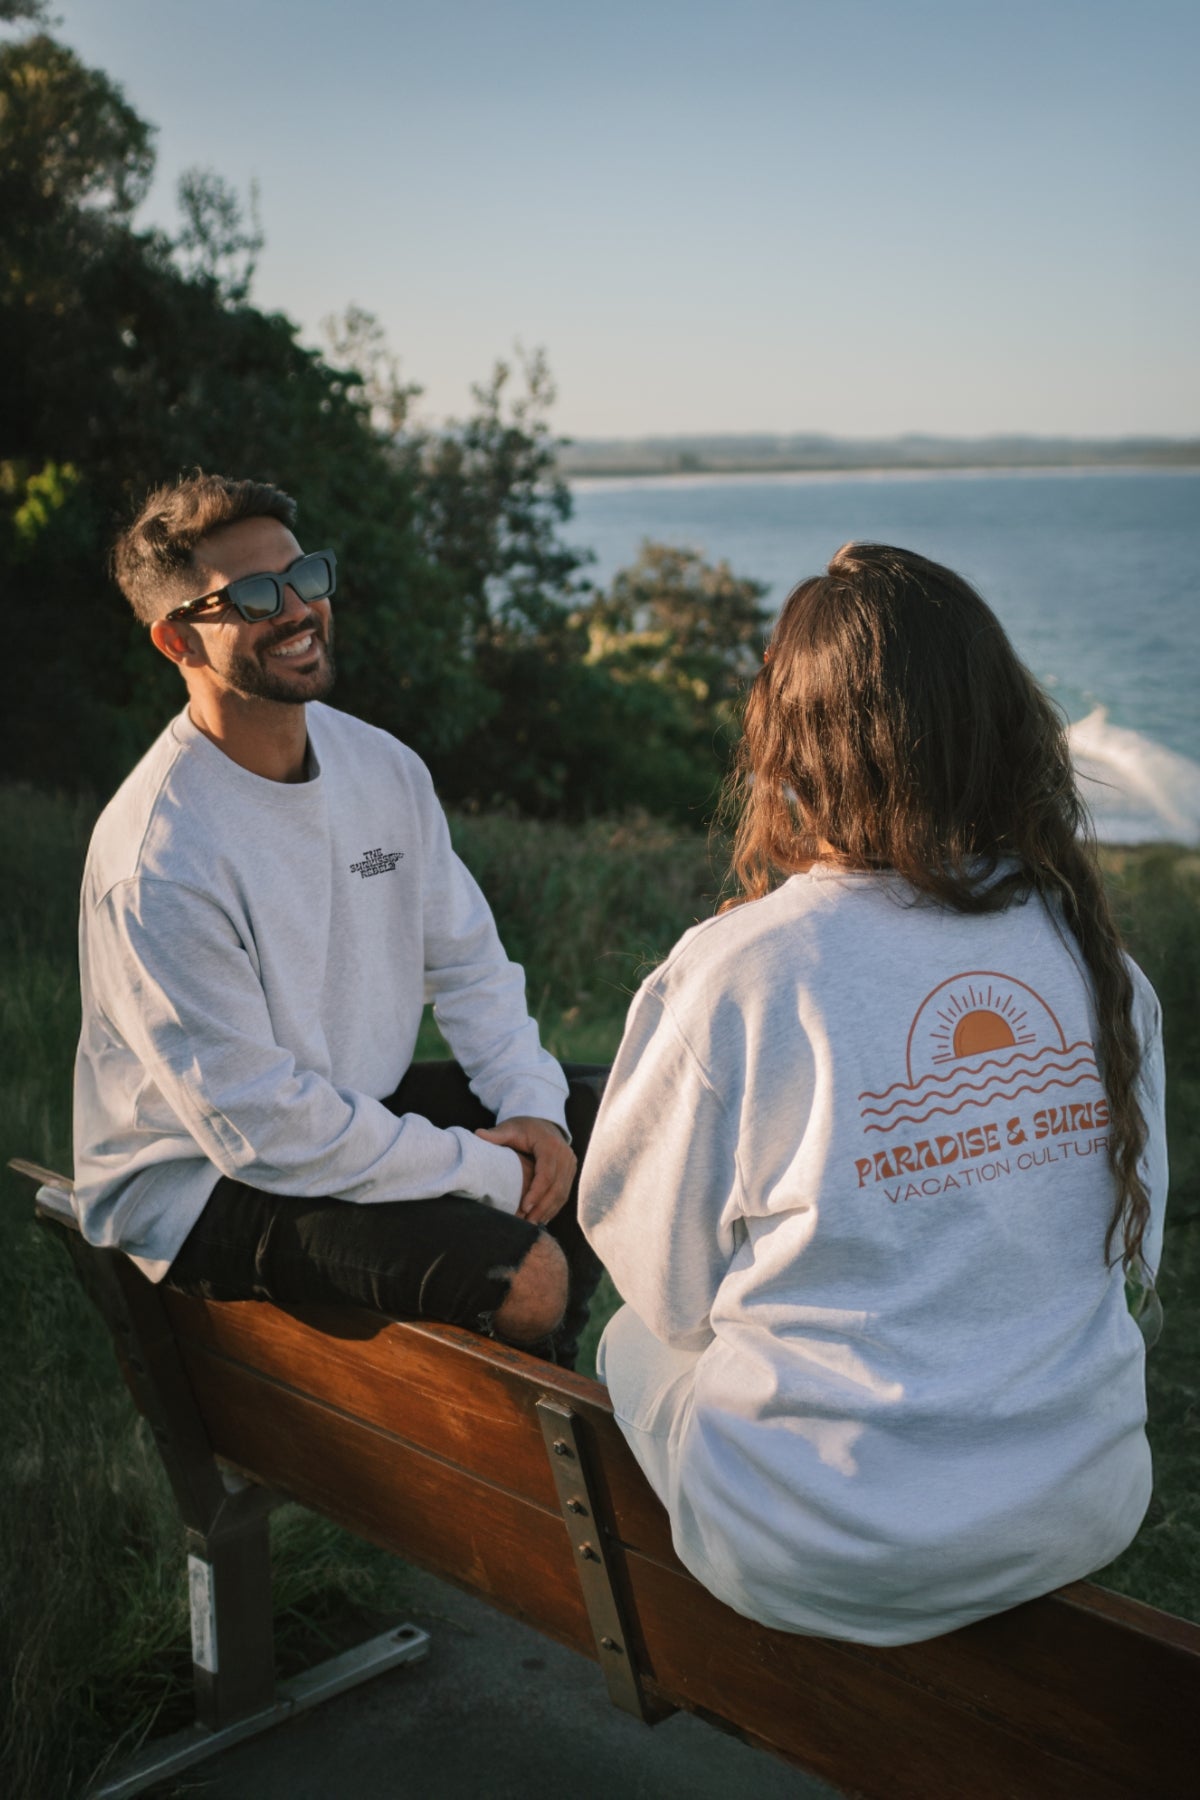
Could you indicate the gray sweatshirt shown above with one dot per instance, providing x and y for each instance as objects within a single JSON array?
[
  {"x": 850, "y": 1177},
  {"x": 254, "y": 958}
]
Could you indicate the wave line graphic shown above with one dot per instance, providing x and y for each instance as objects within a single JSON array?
[
  {"x": 985, "y": 1087},
  {"x": 992, "y": 1062},
  {"x": 948, "y": 1112}
]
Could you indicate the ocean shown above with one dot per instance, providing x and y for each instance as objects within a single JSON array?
[{"x": 1095, "y": 575}]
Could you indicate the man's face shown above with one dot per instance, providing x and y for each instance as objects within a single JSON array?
[{"x": 288, "y": 658}]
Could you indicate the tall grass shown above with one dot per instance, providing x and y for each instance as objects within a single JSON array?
[
  {"x": 93, "y": 1622},
  {"x": 587, "y": 910}
]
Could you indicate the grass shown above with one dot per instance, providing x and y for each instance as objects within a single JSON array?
[{"x": 93, "y": 1622}]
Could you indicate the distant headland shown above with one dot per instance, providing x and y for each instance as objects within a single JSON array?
[{"x": 761, "y": 453}]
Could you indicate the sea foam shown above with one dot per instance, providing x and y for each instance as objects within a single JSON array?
[{"x": 1139, "y": 791}]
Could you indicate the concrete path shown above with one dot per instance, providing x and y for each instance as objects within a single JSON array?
[{"x": 495, "y": 1712}]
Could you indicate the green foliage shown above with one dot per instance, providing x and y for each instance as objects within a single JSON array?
[
  {"x": 1156, "y": 894},
  {"x": 1162, "y": 1564},
  {"x": 35, "y": 11},
  {"x": 630, "y": 697},
  {"x": 67, "y": 136},
  {"x": 587, "y": 909},
  {"x": 693, "y": 626},
  {"x": 492, "y": 502},
  {"x": 215, "y": 241},
  {"x": 44, "y": 494},
  {"x": 464, "y": 620}
]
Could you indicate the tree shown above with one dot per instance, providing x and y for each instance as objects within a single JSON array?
[
  {"x": 627, "y": 699},
  {"x": 465, "y": 620},
  {"x": 216, "y": 243},
  {"x": 130, "y": 357},
  {"x": 492, "y": 503},
  {"x": 692, "y": 627}
]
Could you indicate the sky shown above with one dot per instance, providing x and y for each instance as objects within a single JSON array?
[{"x": 862, "y": 217}]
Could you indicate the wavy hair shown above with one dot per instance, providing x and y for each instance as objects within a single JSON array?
[{"x": 892, "y": 726}]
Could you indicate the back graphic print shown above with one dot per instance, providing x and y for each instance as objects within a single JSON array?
[{"x": 980, "y": 1042}]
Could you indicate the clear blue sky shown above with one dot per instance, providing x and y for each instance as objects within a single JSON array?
[{"x": 858, "y": 216}]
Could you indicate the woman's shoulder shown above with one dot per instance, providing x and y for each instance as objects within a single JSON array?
[{"x": 794, "y": 911}]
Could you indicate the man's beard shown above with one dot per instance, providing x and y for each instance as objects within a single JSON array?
[{"x": 257, "y": 680}]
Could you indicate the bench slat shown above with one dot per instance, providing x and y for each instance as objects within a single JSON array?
[
  {"x": 858, "y": 1723},
  {"x": 1081, "y": 1691},
  {"x": 440, "y": 1389},
  {"x": 1089, "y": 1705},
  {"x": 470, "y": 1531}
]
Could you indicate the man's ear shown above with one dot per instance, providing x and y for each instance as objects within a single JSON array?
[{"x": 177, "y": 641}]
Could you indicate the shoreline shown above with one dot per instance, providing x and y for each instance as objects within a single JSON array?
[{"x": 713, "y": 471}]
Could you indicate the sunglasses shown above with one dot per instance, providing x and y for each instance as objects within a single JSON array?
[{"x": 258, "y": 597}]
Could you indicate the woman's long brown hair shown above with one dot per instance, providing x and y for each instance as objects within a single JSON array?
[{"x": 892, "y": 726}]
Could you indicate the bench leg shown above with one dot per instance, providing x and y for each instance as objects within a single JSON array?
[
  {"x": 229, "y": 1592},
  {"x": 169, "y": 1757},
  {"x": 228, "y": 1550},
  {"x": 233, "y": 1660}
]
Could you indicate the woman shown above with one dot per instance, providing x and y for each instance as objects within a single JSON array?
[{"x": 881, "y": 1142}]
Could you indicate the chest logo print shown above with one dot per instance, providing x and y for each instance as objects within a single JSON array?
[
  {"x": 979, "y": 1038},
  {"x": 377, "y": 862}
]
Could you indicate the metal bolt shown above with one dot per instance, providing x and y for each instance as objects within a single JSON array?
[
  {"x": 609, "y": 1644},
  {"x": 589, "y": 1553},
  {"x": 561, "y": 1447},
  {"x": 576, "y": 1506}
]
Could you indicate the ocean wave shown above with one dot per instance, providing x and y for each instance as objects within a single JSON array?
[
  {"x": 1139, "y": 791},
  {"x": 995, "y": 1085},
  {"x": 996, "y": 1094},
  {"x": 937, "y": 1079}
]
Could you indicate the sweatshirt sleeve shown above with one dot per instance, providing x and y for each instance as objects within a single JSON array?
[
  {"x": 659, "y": 1193},
  {"x": 175, "y": 984},
  {"x": 478, "y": 995}
]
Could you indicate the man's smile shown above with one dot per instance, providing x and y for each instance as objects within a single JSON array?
[{"x": 298, "y": 645}]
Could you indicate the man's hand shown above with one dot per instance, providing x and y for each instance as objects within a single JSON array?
[{"x": 541, "y": 1144}]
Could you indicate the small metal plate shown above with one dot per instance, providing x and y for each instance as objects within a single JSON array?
[{"x": 576, "y": 1499}]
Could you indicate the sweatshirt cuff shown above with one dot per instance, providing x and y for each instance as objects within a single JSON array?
[
  {"x": 493, "y": 1172},
  {"x": 540, "y": 1101}
]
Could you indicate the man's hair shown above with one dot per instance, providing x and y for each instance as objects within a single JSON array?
[{"x": 152, "y": 560}]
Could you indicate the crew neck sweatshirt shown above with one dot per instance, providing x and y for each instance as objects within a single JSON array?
[
  {"x": 254, "y": 959},
  {"x": 850, "y": 1178}
]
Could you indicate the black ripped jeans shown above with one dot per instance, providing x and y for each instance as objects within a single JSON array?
[{"x": 449, "y": 1259}]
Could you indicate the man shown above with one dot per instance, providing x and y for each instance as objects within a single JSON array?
[{"x": 269, "y": 899}]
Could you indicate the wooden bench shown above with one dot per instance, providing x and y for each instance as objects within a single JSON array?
[{"x": 511, "y": 1479}]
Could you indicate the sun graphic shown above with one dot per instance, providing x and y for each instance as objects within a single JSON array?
[
  {"x": 976, "y": 1014},
  {"x": 981, "y": 1030}
]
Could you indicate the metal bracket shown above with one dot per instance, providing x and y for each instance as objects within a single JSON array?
[
  {"x": 169, "y": 1757},
  {"x": 576, "y": 1497}
]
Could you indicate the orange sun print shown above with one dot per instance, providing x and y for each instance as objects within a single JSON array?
[{"x": 978, "y": 1038}]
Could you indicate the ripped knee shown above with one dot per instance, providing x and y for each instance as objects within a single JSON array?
[{"x": 537, "y": 1294}]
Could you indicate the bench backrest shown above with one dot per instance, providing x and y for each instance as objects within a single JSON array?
[{"x": 442, "y": 1447}]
